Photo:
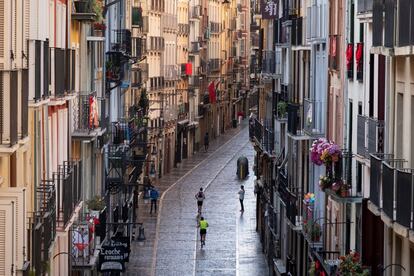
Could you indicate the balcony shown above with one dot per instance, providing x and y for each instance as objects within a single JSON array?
[
  {"x": 139, "y": 75},
  {"x": 361, "y": 130},
  {"x": 138, "y": 47},
  {"x": 155, "y": 44},
  {"x": 364, "y": 6},
  {"x": 194, "y": 48},
  {"x": 404, "y": 197},
  {"x": 215, "y": 28},
  {"x": 370, "y": 136},
  {"x": 123, "y": 41},
  {"x": 383, "y": 23},
  {"x": 214, "y": 65},
  {"x": 194, "y": 81},
  {"x": 169, "y": 22},
  {"x": 156, "y": 83},
  {"x": 297, "y": 31},
  {"x": 170, "y": 72},
  {"x": 290, "y": 201},
  {"x": 334, "y": 52},
  {"x": 342, "y": 189},
  {"x": 404, "y": 24},
  {"x": 88, "y": 110},
  {"x": 83, "y": 11},
  {"x": 157, "y": 6},
  {"x": 293, "y": 115},
  {"x": 268, "y": 62},
  {"x": 314, "y": 117},
  {"x": 195, "y": 13},
  {"x": 375, "y": 178},
  {"x": 263, "y": 136},
  {"x": 43, "y": 227},
  {"x": 183, "y": 29},
  {"x": 68, "y": 184},
  {"x": 255, "y": 41}
]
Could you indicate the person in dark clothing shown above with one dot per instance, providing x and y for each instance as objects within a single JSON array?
[
  {"x": 154, "y": 194},
  {"x": 206, "y": 141}
]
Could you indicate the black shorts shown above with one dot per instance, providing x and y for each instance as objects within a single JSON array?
[
  {"x": 199, "y": 203},
  {"x": 203, "y": 231}
]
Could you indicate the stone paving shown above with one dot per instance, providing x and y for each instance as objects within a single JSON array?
[{"x": 172, "y": 244}]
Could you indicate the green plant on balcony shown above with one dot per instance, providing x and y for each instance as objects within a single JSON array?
[
  {"x": 112, "y": 71},
  {"x": 144, "y": 101},
  {"x": 281, "y": 109},
  {"x": 97, "y": 8},
  {"x": 313, "y": 231},
  {"x": 96, "y": 204}
]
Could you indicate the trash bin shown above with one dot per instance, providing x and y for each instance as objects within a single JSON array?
[
  {"x": 242, "y": 167},
  {"x": 234, "y": 123}
]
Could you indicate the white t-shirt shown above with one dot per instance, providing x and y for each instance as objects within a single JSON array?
[{"x": 241, "y": 194}]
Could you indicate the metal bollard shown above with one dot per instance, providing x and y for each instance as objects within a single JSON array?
[{"x": 141, "y": 234}]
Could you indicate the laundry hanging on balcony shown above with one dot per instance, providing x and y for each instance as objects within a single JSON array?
[
  {"x": 359, "y": 60},
  {"x": 350, "y": 60},
  {"x": 93, "y": 112},
  {"x": 212, "y": 91}
]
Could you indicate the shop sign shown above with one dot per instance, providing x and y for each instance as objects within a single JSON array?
[
  {"x": 124, "y": 242},
  {"x": 112, "y": 258}
]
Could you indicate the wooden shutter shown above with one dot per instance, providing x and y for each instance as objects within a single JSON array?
[
  {"x": 26, "y": 32},
  {"x": 2, "y": 36},
  {"x": 2, "y": 241}
]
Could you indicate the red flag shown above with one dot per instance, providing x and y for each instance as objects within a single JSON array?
[{"x": 212, "y": 92}]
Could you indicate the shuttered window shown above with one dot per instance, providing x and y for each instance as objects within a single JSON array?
[
  {"x": 24, "y": 102},
  {"x": 67, "y": 71},
  {"x": 73, "y": 72},
  {"x": 2, "y": 242},
  {"x": 38, "y": 70},
  {"x": 1, "y": 36},
  {"x": 46, "y": 68},
  {"x": 59, "y": 72},
  {"x": 13, "y": 106}
]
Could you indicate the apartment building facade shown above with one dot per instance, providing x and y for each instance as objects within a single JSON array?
[{"x": 336, "y": 70}]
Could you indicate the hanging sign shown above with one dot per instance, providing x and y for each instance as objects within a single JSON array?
[{"x": 268, "y": 9}]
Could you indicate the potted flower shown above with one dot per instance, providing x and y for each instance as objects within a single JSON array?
[
  {"x": 281, "y": 109},
  {"x": 351, "y": 266},
  {"x": 324, "y": 182},
  {"x": 95, "y": 205},
  {"x": 324, "y": 152},
  {"x": 99, "y": 28}
]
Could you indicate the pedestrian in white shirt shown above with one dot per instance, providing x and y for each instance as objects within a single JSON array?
[{"x": 241, "y": 197}]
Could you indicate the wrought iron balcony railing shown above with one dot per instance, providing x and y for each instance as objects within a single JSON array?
[
  {"x": 68, "y": 184},
  {"x": 88, "y": 110},
  {"x": 214, "y": 65},
  {"x": 195, "y": 12},
  {"x": 123, "y": 41},
  {"x": 370, "y": 136},
  {"x": 263, "y": 135},
  {"x": 155, "y": 43}
]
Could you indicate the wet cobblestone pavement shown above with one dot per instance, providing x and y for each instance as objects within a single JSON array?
[{"x": 172, "y": 245}]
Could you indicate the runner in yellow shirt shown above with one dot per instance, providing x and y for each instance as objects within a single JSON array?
[{"x": 203, "y": 224}]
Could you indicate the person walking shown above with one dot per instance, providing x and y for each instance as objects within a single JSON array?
[
  {"x": 200, "y": 198},
  {"x": 154, "y": 194},
  {"x": 241, "y": 197},
  {"x": 206, "y": 141},
  {"x": 203, "y": 224}
]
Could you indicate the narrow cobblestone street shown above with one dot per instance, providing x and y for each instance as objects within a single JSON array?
[{"x": 172, "y": 244}]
